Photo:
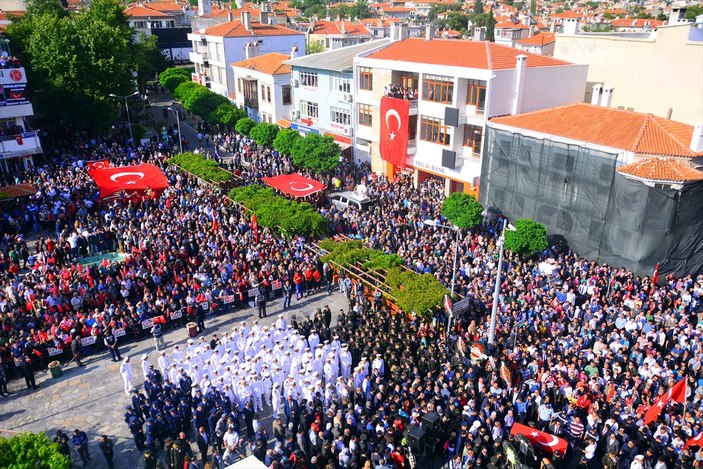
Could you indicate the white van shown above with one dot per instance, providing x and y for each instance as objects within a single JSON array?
[{"x": 345, "y": 199}]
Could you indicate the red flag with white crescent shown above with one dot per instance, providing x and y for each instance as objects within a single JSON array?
[
  {"x": 255, "y": 227},
  {"x": 676, "y": 393},
  {"x": 655, "y": 275},
  {"x": 544, "y": 440},
  {"x": 98, "y": 164},
  {"x": 395, "y": 130},
  {"x": 695, "y": 441}
]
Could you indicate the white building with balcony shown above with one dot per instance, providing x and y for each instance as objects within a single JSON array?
[
  {"x": 217, "y": 47},
  {"x": 263, "y": 87},
  {"x": 18, "y": 143},
  {"x": 460, "y": 85},
  {"x": 323, "y": 92}
]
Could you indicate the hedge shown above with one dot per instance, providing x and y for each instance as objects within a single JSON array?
[
  {"x": 201, "y": 167},
  {"x": 31, "y": 451},
  {"x": 280, "y": 214},
  {"x": 421, "y": 294}
]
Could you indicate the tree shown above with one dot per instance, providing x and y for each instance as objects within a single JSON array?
[
  {"x": 185, "y": 89},
  {"x": 462, "y": 210},
  {"x": 74, "y": 62},
  {"x": 244, "y": 126},
  {"x": 693, "y": 11},
  {"x": 491, "y": 27},
  {"x": 31, "y": 451},
  {"x": 172, "y": 77},
  {"x": 478, "y": 7},
  {"x": 533, "y": 7},
  {"x": 203, "y": 103},
  {"x": 458, "y": 21},
  {"x": 264, "y": 134},
  {"x": 318, "y": 153},
  {"x": 529, "y": 237},
  {"x": 285, "y": 140},
  {"x": 313, "y": 47},
  {"x": 150, "y": 60},
  {"x": 226, "y": 114}
]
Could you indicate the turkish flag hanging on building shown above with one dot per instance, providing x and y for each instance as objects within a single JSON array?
[
  {"x": 544, "y": 440},
  {"x": 676, "y": 393},
  {"x": 395, "y": 130}
]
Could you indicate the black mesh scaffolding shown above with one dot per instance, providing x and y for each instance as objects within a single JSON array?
[{"x": 576, "y": 192}]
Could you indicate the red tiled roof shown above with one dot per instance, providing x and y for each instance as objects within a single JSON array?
[
  {"x": 636, "y": 23},
  {"x": 163, "y": 6},
  {"x": 143, "y": 12},
  {"x": 662, "y": 169},
  {"x": 398, "y": 9},
  {"x": 469, "y": 54},
  {"x": 236, "y": 29},
  {"x": 539, "y": 39},
  {"x": 270, "y": 64},
  {"x": 335, "y": 27},
  {"x": 511, "y": 25},
  {"x": 567, "y": 15},
  {"x": 627, "y": 130}
]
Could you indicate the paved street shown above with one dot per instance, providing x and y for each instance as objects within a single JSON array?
[{"x": 92, "y": 398}]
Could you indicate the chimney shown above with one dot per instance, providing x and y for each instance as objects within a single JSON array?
[
  {"x": 339, "y": 18},
  {"x": 402, "y": 32},
  {"x": 246, "y": 20},
  {"x": 394, "y": 32},
  {"x": 263, "y": 17},
  {"x": 553, "y": 27},
  {"x": 429, "y": 32},
  {"x": 204, "y": 7},
  {"x": 343, "y": 28},
  {"x": 248, "y": 50},
  {"x": 520, "y": 65},
  {"x": 607, "y": 97},
  {"x": 230, "y": 17},
  {"x": 293, "y": 52},
  {"x": 480, "y": 33},
  {"x": 595, "y": 97},
  {"x": 697, "y": 138},
  {"x": 571, "y": 26}
]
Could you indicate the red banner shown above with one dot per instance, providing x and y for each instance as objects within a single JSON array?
[
  {"x": 255, "y": 227},
  {"x": 676, "y": 393},
  {"x": 395, "y": 130},
  {"x": 98, "y": 164},
  {"x": 544, "y": 440},
  {"x": 294, "y": 184},
  {"x": 695, "y": 441},
  {"x": 130, "y": 179}
]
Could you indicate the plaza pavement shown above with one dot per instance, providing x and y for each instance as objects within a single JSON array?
[{"x": 92, "y": 398}]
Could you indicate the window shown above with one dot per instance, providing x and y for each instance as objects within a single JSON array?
[
  {"x": 309, "y": 109},
  {"x": 438, "y": 89},
  {"x": 472, "y": 138},
  {"x": 365, "y": 115},
  {"x": 340, "y": 84},
  {"x": 340, "y": 116},
  {"x": 308, "y": 79},
  {"x": 286, "y": 94},
  {"x": 263, "y": 92},
  {"x": 365, "y": 78},
  {"x": 434, "y": 130},
  {"x": 239, "y": 85},
  {"x": 412, "y": 127},
  {"x": 140, "y": 24},
  {"x": 476, "y": 95}
]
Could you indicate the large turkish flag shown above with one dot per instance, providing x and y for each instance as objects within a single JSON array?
[
  {"x": 394, "y": 130},
  {"x": 676, "y": 393},
  {"x": 544, "y": 440},
  {"x": 131, "y": 179}
]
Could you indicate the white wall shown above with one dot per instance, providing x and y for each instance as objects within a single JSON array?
[
  {"x": 546, "y": 87},
  {"x": 325, "y": 98}
]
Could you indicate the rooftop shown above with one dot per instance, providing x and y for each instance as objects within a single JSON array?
[
  {"x": 617, "y": 128},
  {"x": 662, "y": 169},
  {"x": 337, "y": 60},
  {"x": 139, "y": 11},
  {"x": 469, "y": 54},
  {"x": 270, "y": 64},
  {"x": 335, "y": 27},
  {"x": 636, "y": 23},
  {"x": 538, "y": 39},
  {"x": 236, "y": 29},
  {"x": 567, "y": 15}
]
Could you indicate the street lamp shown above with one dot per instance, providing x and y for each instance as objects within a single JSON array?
[
  {"x": 496, "y": 292},
  {"x": 126, "y": 105},
  {"x": 429, "y": 222},
  {"x": 178, "y": 122}
]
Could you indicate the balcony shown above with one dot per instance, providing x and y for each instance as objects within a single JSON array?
[
  {"x": 198, "y": 57},
  {"x": 12, "y": 146},
  {"x": 251, "y": 102}
]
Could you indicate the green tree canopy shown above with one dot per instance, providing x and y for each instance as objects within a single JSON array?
[
  {"x": 244, "y": 125},
  {"x": 462, "y": 210},
  {"x": 172, "y": 77},
  {"x": 74, "y": 61},
  {"x": 202, "y": 103},
  {"x": 491, "y": 27},
  {"x": 692, "y": 11},
  {"x": 264, "y": 134},
  {"x": 184, "y": 90},
  {"x": 150, "y": 60},
  {"x": 31, "y": 451},
  {"x": 478, "y": 7},
  {"x": 316, "y": 152},
  {"x": 226, "y": 114},
  {"x": 285, "y": 140},
  {"x": 314, "y": 47},
  {"x": 529, "y": 237}
]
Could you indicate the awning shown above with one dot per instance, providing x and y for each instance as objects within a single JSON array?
[
  {"x": 283, "y": 123},
  {"x": 250, "y": 462},
  {"x": 16, "y": 190},
  {"x": 130, "y": 179},
  {"x": 294, "y": 184}
]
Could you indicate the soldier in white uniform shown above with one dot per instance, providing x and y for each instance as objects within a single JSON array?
[
  {"x": 177, "y": 355},
  {"x": 126, "y": 373},
  {"x": 145, "y": 365},
  {"x": 164, "y": 364},
  {"x": 345, "y": 361},
  {"x": 276, "y": 399},
  {"x": 313, "y": 340},
  {"x": 266, "y": 384},
  {"x": 255, "y": 387}
]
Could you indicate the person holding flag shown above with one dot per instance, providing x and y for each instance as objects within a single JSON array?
[{"x": 677, "y": 393}]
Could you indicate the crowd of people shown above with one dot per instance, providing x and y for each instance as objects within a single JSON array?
[
  {"x": 400, "y": 92},
  {"x": 590, "y": 347}
]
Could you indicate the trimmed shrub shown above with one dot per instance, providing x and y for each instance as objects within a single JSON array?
[{"x": 201, "y": 167}]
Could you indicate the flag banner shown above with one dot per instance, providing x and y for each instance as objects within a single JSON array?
[
  {"x": 176, "y": 314},
  {"x": 677, "y": 393},
  {"x": 276, "y": 285},
  {"x": 695, "y": 441},
  {"x": 121, "y": 332},
  {"x": 539, "y": 439},
  {"x": 131, "y": 179},
  {"x": 85, "y": 341},
  {"x": 227, "y": 299},
  {"x": 395, "y": 130},
  {"x": 98, "y": 164},
  {"x": 147, "y": 323},
  {"x": 54, "y": 351}
]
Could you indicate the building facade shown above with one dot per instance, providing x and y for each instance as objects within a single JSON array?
[
  {"x": 323, "y": 92},
  {"x": 337, "y": 34},
  {"x": 458, "y": 86},
  {"x": 263, "y": 87},
  {"x": 18, "y": 143},
  {"x": 217, "y": 47}
]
